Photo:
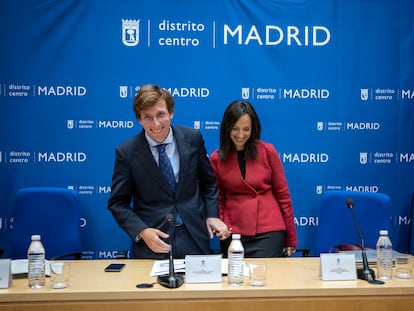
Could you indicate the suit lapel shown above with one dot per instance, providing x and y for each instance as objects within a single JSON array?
[{"x": 183, "y": 146}]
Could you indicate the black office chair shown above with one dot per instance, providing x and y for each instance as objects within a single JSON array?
[
  {"x": 54, "y": 214},
  {"x": 305, "y": 252},
  {"x": 336, "y": 227}
]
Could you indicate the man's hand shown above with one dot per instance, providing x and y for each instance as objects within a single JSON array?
[
  {"x": 216, "y": 227},
  {"x": 152, "y": 237}
]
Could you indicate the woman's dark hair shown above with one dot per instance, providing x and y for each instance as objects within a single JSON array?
[{"x": 231, "y": 115}]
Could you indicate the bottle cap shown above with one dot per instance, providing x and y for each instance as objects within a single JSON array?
[
  {"x": 235, "y": 236},
  {"x": 35, "y": 237},
  {"x": 383, "y": 232}
]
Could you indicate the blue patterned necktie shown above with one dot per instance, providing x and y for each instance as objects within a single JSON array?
[{"x": 166, "y": 167}]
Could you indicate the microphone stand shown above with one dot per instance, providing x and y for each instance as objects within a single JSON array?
[
  {"x": 365, "y": 273},
  {"x": 171, "y": 280}
]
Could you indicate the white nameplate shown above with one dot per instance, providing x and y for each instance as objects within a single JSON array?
[
  {"x": 5, "y": 273},
  {"x": 203, "y": 268},
  {"x": 338, "y": 266}
]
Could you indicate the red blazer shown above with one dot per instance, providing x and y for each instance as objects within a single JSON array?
[{"x": 259, "y": 203}]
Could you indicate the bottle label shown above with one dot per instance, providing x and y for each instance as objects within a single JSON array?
[
  {"x": 236, "y": 267},
  {"x": 36, "y": 269}
]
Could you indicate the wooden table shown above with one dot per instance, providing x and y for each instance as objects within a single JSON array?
[{"x": 293, "y": 284}]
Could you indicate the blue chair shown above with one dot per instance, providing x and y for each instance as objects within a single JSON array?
[
  {"x": 411, "y": 228},
  {"x": 337, "y": 227},
  {"x": 54, "y": 214}
]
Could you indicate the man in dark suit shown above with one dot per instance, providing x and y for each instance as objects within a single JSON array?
[{"x": 192, "y": 198}]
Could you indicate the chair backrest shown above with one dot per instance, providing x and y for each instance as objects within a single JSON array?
[
  {"x": 411, "y": 228},
  {"x": 51, "y": 212},
  {"x": 336, "y": 224}
]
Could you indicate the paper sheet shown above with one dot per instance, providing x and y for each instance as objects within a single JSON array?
[
  {"x": 20, "y": 266},
  {"x": 161, "y": 267}
]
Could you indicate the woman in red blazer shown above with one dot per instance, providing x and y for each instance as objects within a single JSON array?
[{"x": 254, "y": 198}]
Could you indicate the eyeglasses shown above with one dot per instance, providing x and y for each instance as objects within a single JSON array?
[{"x": 160, "y": 116}]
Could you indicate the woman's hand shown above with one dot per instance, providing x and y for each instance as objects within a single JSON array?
[{"x": 218, "y": 228}]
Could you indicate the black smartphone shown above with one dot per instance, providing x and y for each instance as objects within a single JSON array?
[{"x": 114, "y": 267}]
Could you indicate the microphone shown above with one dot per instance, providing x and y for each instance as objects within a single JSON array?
[
  {"x": 171, "y": 280},
  {"x": 365, "y": 273}
]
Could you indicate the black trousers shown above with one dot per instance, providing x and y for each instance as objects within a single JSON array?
[
  {"x": 264, "y": 245},
  {"x": 183, "y": 244}
]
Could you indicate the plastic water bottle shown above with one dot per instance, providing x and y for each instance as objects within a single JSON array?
[
  {"x": 235, "y": 273},
  {"x": 384, "y": 256},
  {"x": 36, "y": 263}
]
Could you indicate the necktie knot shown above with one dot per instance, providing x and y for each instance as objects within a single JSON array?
[{"x": 161, "y": 147}]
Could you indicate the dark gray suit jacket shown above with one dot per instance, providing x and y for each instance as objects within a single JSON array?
[{"x": 136, "y": 177}]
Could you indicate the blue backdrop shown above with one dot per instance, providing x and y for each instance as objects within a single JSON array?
[{"x": 332, "y": 82}]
